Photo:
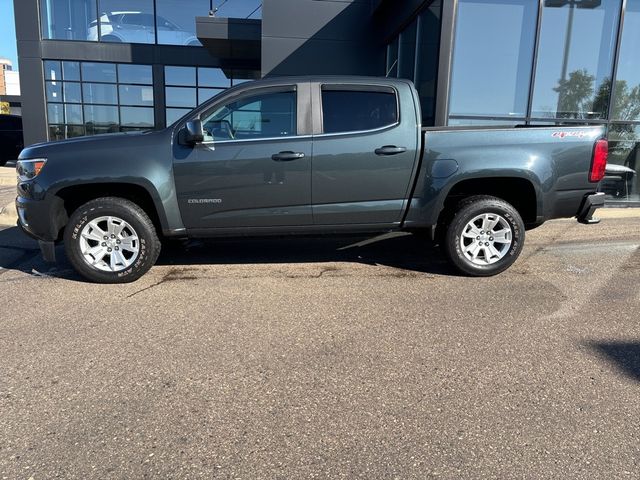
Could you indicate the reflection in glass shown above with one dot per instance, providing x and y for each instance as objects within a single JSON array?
[
  {"x": 205, "y": 94},
  {"x": 98, "y": 72},
  {"x": 60, "y": 132},
  {"x": 182, "y": 76},
  {"x": 427, "y": 60},
  {"x": 53, "y": 91},
  {"x": 71, "y": 71},
  {"x": 478, "y": 122},
  {"x": 137, "y": 74},
  {"x": 55, "y": 113},
  {"x": 238, "y": 8},
  {"x": 180, "y": 97},
  {"x": 238, "y": 81},
  {"x": 212, "y": 77},
  {"x": 136, "y": 95},
  {"x": 99, "y": 106},
  {"x": 124, "y": 21},
  {"x": 175, "y": 22},
  {"x": 626, "y": 102},
  {"x": 353, "y": 111},
  {"x": 52, "y": 70},
  {"x": 623, "y": 166},
  {"x": 174, "y": 114},
  {"x": 575, "y": 57},
  {"x": 68, "y": 19},
  {"x": 392, "y": 59},
  {"x": 100, "y": 93},
  {"x": 407, "y": 52},
  {"x": 73, "y": 114},
  {"x": 136, "y": 117},
  {"x": 493, "y": 56},
  {"x": 100, "y": 115},
  {"x": 72, "y": 92}
]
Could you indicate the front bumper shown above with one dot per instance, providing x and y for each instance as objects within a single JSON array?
[
  {"x": 42, "y": 220},
  {"x": 588, "y": 208}
]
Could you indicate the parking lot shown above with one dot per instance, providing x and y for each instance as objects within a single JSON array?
[{"x": 307, "y": 358}]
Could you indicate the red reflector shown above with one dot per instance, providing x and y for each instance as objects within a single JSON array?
[{"x": 599, "y": 162}]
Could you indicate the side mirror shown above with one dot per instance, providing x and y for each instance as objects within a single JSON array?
[{"x": 194, "y": 133}]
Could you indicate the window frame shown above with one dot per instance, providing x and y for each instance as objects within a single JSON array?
[{"x": 354, "y": 87}]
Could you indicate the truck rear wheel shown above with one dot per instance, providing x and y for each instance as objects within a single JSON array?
[
  {"x": 111, "y": 240},
  {"x": 484, "y": 236}
]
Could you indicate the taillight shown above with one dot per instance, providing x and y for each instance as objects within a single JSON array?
[{"x": 599, "y": 161}]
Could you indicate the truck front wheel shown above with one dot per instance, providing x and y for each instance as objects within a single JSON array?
[
  {"x": 111, "y": 240},
  {"x": 484, "y": 236}
]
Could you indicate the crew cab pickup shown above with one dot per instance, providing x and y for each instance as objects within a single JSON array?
[{"x": 306, "y": 155}]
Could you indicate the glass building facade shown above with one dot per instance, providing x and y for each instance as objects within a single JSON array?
[
  {"x": 539, "y": 62},
  {"x": 93, "y": 97},
  {"x": 162, "y": 22},
  {"x": 88, "y": 98},
  {"x": 117, "y": 65}
]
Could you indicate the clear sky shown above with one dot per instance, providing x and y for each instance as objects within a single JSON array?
[{"x": 8, "y": 47}]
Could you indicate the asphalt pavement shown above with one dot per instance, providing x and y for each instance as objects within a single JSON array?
[{"x": 306, "y": 358}]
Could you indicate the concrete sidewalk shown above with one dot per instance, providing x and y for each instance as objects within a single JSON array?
[
  {"x": 8, "y": 211},
  {"x": 7, "y": 196},
  {"x": 7, "y": 176}
]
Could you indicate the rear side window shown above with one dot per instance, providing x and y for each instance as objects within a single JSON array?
[{"x": 358, "y": 110}]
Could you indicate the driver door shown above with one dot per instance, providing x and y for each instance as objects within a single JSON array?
[{"x": 253, "y": 169}]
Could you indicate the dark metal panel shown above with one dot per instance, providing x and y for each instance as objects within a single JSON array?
[
  {"x": 445, "y": 62},
  {"x": 295, "y": 56},
  {"x": 392, "y": 16},
  {"x": 536, "y": 46},
  {"x": 304, "y": 37},
  {"x": 230, "y": 38},
  {"x": 27, "y": 15},
  {"x": 31, "y": 71},
  {"x": 34, "y": 115},
  {"x": 614, "y": 74},
  {"x": 319, "y": 19},
  {"x": 139, "y": 53},
  {"x": 159, "y": 101}
]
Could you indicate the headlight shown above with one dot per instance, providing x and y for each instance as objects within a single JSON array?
[{"x": 28, "y": 169}]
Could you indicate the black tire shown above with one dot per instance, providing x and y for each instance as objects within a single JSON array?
[
  {"x": 148, "y": 243},
  {"x": 466, "y": 211}
]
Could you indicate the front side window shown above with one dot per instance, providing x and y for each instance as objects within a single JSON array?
[
  {"x": 259, "y": 115},
  {"x": 358, "y": 110}
]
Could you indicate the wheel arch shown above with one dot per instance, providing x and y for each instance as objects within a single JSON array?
[
  {"x": 518, "y": 191},
  {"x": 74, "y": 196}
]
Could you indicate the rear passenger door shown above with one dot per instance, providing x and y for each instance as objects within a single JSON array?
[{"x": 363, "y": 155}]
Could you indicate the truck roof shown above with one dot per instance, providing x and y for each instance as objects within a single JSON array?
[{"x": 334, "y": 79}]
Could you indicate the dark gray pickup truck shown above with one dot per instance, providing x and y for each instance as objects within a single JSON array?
[{"x": 305, "y": 155}]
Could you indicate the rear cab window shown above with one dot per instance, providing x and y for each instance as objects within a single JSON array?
[{"x": 355, "y": 109}]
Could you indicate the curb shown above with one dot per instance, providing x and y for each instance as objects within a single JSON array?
[{"x": 613, "y": 212}]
